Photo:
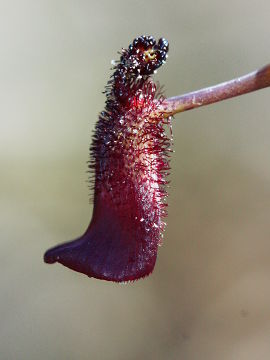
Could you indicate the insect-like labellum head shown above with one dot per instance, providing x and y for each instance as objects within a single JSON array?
[
  {"x": 129, "y": 161},
  {"x": 142, "y": 58},
  {"x": 145, "y": 55}
]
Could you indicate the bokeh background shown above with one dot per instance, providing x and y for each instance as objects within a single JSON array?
[{"x": 209, "y": 296}]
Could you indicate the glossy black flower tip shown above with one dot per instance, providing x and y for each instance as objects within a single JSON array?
[{"x": 145, "y": 55}]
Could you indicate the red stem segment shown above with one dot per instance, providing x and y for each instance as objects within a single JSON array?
[{"x": 253, "y": 81}]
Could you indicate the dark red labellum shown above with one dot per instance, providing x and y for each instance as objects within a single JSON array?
[{"x": 129, "y": 161}]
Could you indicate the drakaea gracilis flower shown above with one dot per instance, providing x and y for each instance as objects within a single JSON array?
[{"x": 129, "y": 163}]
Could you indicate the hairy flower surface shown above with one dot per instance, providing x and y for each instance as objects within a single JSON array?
[{"x": 129, "y": 164}]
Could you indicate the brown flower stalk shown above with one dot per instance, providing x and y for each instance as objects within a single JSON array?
[{"x": 253, "y": 81}]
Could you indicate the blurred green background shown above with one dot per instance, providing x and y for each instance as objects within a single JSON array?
[{"x": 209, "y": 296}]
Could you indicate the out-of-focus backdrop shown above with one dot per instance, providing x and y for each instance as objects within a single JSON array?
[{"x": 209, "y": 296}]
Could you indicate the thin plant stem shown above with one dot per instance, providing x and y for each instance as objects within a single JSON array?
[{"x": 253, "y": 81}]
